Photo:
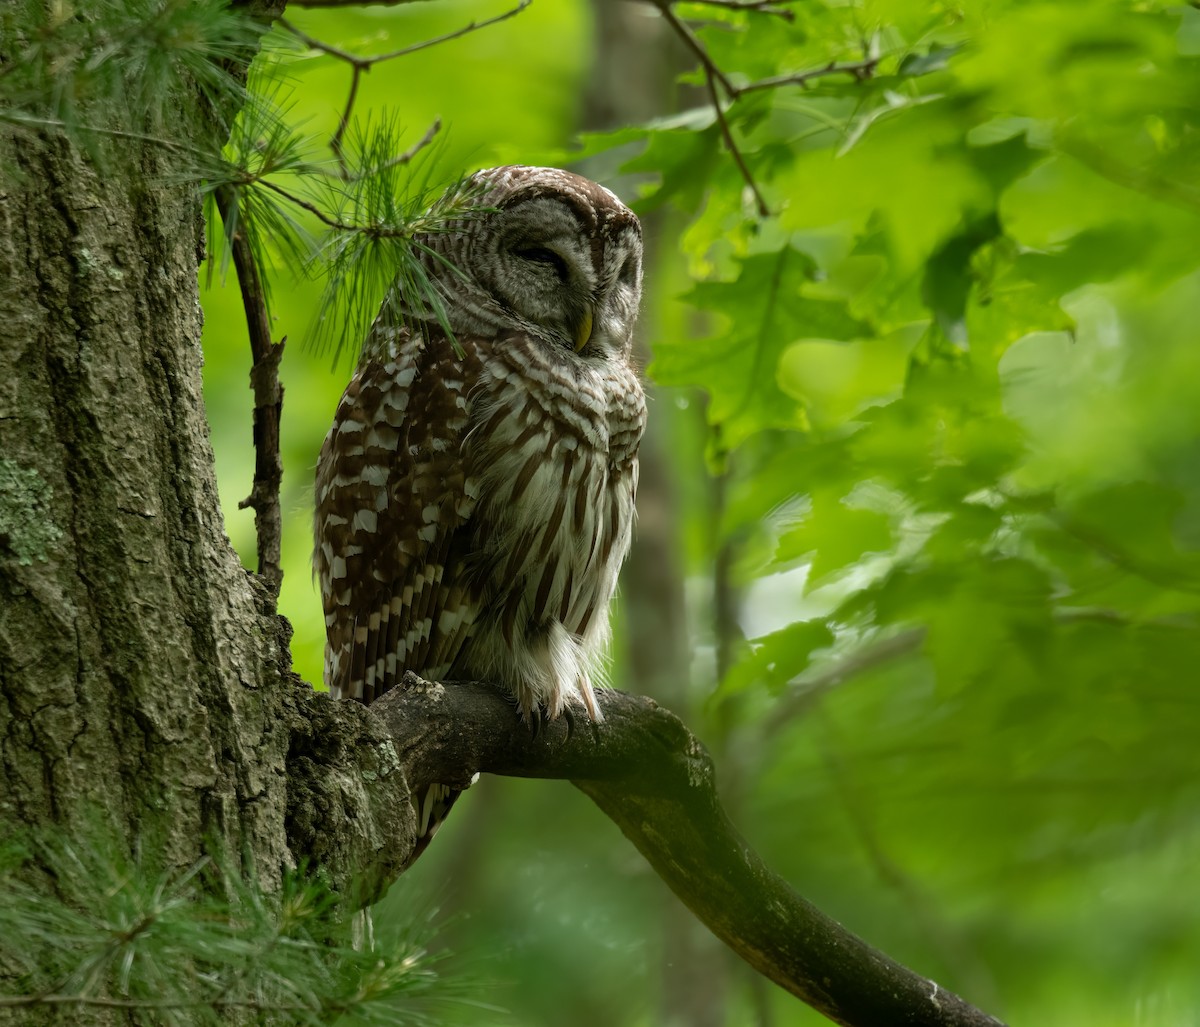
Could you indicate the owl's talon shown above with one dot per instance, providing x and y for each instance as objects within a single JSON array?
[
  {"x": 533, "y": 722},
  {"x": 569, "y": 717}
]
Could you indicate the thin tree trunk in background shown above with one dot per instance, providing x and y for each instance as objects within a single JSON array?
[
  {"x": 635, "y": 63},
  {"x": 727, "y": 640}
]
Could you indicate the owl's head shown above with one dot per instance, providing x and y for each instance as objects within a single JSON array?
[{"x": 553, "y": 255}]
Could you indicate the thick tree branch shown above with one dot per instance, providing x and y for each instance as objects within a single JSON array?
[{"x": 656, "y": 781}]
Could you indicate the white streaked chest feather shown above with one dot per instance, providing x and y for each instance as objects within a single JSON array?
[{"x": 553, "y": 449}]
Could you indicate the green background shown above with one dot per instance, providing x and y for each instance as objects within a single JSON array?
[{"x": 931, "y": 431}]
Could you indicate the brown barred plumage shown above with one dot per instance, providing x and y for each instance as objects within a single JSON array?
[{"x": 473, "y": 511}]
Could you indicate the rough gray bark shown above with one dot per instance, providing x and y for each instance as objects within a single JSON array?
[
  {"x": 141, "y": 681},
  {"x": 125, "y": 638}
]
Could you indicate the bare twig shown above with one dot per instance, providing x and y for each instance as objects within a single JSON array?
[
  {"x": 407, "y": 155},
  {"x": 1175, "y": 191},
  {"x": 732, "y": 147},
  {"x": 807, "y": 690},
  {"x": 714, "y": 76},
  {"x": 1161, "y": 574},
  {"x": 362, "y": 63},
  {"x": 268, "y": 397},
  {"x": 335, "y": 144},
  {"x": 375, "y": 231},
  {"x": 692, "y": 43},
  {"x": 1111, "y": 550},
  {"x": 860, "y": 70},
  {"x": 757, "y": 6},
  {"x": 473, "y": 26},
  {"x": 652, "y": 777},
  {"x": 319, "y": 44}
]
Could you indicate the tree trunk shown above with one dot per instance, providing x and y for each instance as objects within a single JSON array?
[
  {"x": 144, "y": 687},
  {"x": 636, "y": 61}
]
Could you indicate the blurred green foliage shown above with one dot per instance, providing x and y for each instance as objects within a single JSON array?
[{"x": 952, "y": 388}]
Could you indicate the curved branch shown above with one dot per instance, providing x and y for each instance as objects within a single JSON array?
[{"x": 656, "y": 781}]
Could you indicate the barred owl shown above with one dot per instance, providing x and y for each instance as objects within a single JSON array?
[{"x": 474, "y": 504}]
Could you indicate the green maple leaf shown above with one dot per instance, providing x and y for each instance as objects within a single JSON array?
[{"x": 763, "y": 311}]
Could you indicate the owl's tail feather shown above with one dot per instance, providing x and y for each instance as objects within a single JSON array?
[
  {"x": 362, "y": 931},
  {"x": 438, "y": 799},
  {"x": 435, "y": 807}
]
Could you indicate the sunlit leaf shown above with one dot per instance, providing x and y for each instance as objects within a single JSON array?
[
  {"x": 835, "y": 534},
  {"x": 776, "y": 659},
  {"x": 763, "y": 312}
]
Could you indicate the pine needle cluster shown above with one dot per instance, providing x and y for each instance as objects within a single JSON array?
[
  {"x": 117, "y": 71},
  {"x": 353, "y": 218},
  {"x": 119, "y": 67},
  {"x": 205, "y": 945}
]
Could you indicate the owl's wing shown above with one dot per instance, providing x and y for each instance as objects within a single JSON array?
[{"x": 393, "y": 496}]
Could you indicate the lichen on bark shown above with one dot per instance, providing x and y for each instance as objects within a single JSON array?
[{"x": 27, "y": 527}]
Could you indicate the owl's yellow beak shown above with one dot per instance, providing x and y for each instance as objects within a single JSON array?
[{"x": 583, "y": 331}]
